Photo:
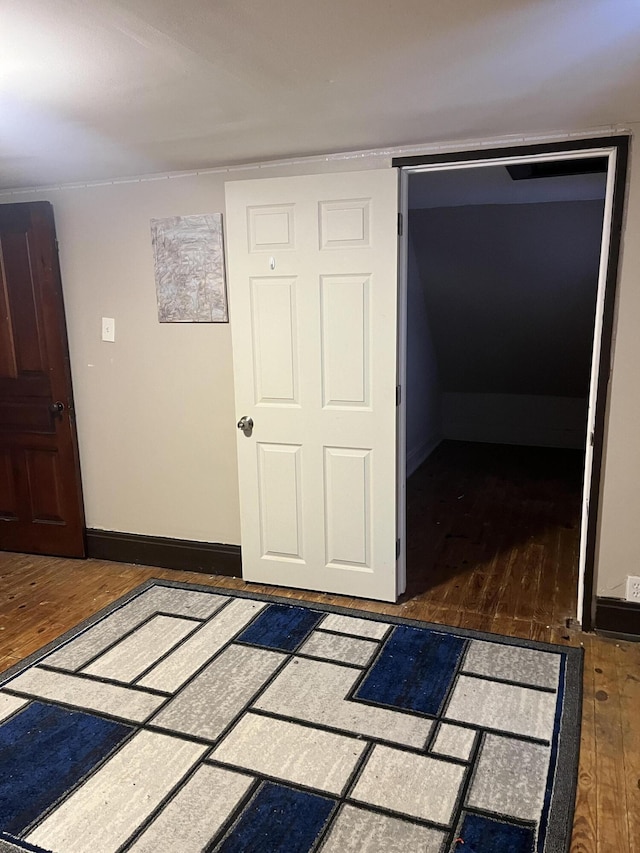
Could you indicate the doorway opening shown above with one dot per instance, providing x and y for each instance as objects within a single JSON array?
[{"x": 507, "y": 276}]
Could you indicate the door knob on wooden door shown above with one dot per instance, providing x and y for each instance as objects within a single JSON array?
[
  {"x": 245, "y": 424},
  {"x": 56, "y": 408}
]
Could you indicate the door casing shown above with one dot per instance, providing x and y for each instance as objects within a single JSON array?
[{"x": 615, "y": 149}]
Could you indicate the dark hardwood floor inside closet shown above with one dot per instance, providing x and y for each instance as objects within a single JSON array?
[{"x": 494, "y": 530}]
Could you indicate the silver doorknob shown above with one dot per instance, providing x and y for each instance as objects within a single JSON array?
[{"x": 245, "y": 424}]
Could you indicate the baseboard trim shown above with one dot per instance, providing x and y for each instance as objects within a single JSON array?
[
  {"x": 420, "y": 454},
  {"x": 210, "y": 558},
  {"x": 617, "y": 617}
]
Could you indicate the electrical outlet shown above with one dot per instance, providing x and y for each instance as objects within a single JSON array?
[{"x": 633, "y": 588}]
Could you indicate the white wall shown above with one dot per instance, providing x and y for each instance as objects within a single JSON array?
[
  {"x": 424, "y": 417},
  {"x": 155, "y": 408},
  {"x": 618, "y": 550},
  {"x": 533, "y": 420},
  {"x": 511, "y": 290},
  {"x": 511, "y": 294}
]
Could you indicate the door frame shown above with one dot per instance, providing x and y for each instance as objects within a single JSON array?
[{"x": 615, "y": 149}]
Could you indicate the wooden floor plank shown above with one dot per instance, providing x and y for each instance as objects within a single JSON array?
[
  {"x": 611, "y": 789},
  {"x": 495, "y": 530},
  {"x": 585, "y": 821},
  {"x": 627, "y": 657}
]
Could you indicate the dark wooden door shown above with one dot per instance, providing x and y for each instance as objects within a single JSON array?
[{"x": 40, "y": 493}]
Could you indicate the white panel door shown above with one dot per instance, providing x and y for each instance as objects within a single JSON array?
[{"x": 313, "y": 297}]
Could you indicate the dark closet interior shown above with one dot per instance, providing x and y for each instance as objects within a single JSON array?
[{"x": 502, "y": 286}]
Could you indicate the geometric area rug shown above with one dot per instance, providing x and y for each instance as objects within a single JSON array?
[{"x": 187, "y": 718}]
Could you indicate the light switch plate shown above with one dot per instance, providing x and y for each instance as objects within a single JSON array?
[{"x": 108, "y": 329}]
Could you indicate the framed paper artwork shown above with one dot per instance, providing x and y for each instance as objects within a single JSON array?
[{"x": 188, "y": 253}]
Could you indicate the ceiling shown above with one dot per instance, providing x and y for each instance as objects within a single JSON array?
[{"x": 93, "y": 89}]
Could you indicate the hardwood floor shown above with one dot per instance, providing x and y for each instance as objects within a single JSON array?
[
  {"x": 494, "y": 530},
  {"x": 41, "y": 597}
]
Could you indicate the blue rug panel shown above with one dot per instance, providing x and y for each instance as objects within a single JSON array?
[
  {"x": 279, "y": 820},
  {"x": 485, "y": 835},
  {"x": 414, "y": 670},
  {"x": 281, "y": 627},
  {"x": 45, "y": 750}
]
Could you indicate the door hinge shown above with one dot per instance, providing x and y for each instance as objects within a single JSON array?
[
  {"x": 592, "y": 437},
  {"x": 397, "y": 549},
  {"x": 399, "y": 225},
  {"x": 398, "y": 394}
]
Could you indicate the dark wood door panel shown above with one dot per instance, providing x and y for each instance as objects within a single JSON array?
[
  {"x": 30, "y": 414},
  {"x": 29, "y": 386},
  {"x": 19, "y": 285},
  {"x": 8, "y": 363},
  {"x": 8, "y": 493},
  {"x": 33, "y": 495},
  {"x": 40, "y": 495},
  {"x": 23, "y": 535},
  {"x": 45, "y": 485}
]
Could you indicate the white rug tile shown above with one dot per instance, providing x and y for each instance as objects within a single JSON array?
[
  {"x": 10, "y": 704},
  {"x": 290, "y": 752},
  {"x": 192, "y": 818},
  {"x": 130, "y": 657},
  {"x": 115, "y": 700},
  {"x": 505, "y": 707},
  {"x": 359, "y": 830},
  {"x": 454, "y": 741},
  {"x": 354, "y": 625},
  {"x": 514, "y": 663},
  {"x": 510, "y": 778},
  {"x": 340, "y": 647},
  {"x": 415, "y": 785}
]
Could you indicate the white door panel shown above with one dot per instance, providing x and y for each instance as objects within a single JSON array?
[
  {"x": 313, "y": 293},
  {"x": 274, "y": 337}
]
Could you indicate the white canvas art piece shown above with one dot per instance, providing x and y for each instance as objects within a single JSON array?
[{"x": 189, "y": 268}]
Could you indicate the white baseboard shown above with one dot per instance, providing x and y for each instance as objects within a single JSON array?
[{"x": 515, "y": 419}]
